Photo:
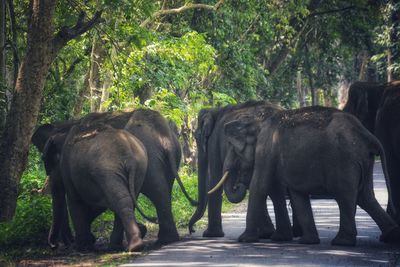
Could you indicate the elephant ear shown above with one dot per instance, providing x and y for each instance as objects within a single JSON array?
[
  {"x": 42, "y": 135},
  {"x": 205, "y": 126},
  {"x": 362, "y": 104},
  {"x": 52, "y": 152},
  {"x": 240, "y": 133}
]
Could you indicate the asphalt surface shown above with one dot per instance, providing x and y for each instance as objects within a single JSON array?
[{"x": 197, "y": 251}]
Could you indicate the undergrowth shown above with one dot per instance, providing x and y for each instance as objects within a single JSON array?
[{"x": 26, "y": 235}]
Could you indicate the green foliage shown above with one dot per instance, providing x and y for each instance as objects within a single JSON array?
[{"x": 199, "y": 58}]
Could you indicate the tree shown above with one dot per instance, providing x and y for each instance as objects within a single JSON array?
[{"x": 42, "y": 49}]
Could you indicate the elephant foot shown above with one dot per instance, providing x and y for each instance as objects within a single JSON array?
[
  {"x": 280, "y": 236},
  {"x": 136, "y": 245},
  {"x": 167, "y": 239},
  {"x": 297, "y": 232},
  {"x": 344, "y": 241},
  {"x": 309, "y": 240},
  {"x": 393, "y": 236},
  {"x": 265, "y": 233},
  {"x": 248, "y": 237},
  {"x": 213, "y": 232}
]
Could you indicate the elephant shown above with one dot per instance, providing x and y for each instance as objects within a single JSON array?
[
  {"x": 314, "y": 150},
  {"x": 216, "y": 157},
  {"x": 387, "y": 129},
  {"x": 101, "y": 168},
  {"x": 363, "y": 102},
  {"x": 377, "y": 106},
  {"x": 164, "y": 155}
]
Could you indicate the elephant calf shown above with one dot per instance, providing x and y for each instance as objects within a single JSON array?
[
  {"x": 316, "y": 150},
  {"x": 102, "y": 168}
]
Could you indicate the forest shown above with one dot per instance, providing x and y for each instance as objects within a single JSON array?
[{"x": 61, "y": 60}]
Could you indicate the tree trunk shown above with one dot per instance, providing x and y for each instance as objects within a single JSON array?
[
  {"x": 394, "y": 53},
  {"x": 363, "y": 73},
  {"x": 13, "y": 26},
  {"x": 84, "y": 92},
  {"x": 343, "y": 92},
  {"x": 105, "y": 93},
  {"x": 96, "y": 62},
  {"x": 300, "y": 90},
  {"x": 42, "y": 48},
  {"x": 310, "y": 78},
  {"x": 25, "y": 106},
  {"x": 389, "y": 66},
  {"x": 2, "y": 64},
  {"x": 328, "y": 97}
]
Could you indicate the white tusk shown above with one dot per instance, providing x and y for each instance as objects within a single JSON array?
[{"x": 221, "y": 182}]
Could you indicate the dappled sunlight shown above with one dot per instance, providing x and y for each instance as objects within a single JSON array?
[{"x": 197, "y": 251}]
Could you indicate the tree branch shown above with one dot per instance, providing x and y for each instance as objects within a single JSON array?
[
  {"x": 181, "y": 9},
  {"x": 66, "y": 34},
  {"x": 332, "y": 11}
]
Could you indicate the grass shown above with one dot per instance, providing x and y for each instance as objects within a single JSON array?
[{"x": 23, "y": 241}]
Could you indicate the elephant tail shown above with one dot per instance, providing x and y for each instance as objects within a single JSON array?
[
  {"x": 379, "y": 150},
  {"x": 172, "y": 163},
  {"x": 131, "y": 187},
  {"x": 193, "y": 202}
]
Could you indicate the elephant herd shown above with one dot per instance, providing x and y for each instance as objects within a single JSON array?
[{"x": 104, "y": 160}]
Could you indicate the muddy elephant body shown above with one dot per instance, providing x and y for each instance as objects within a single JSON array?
[
  {"x": 215, "y": 157},
  {"x": 377, "y": 106},
  {"x": 102, "y": 168},
  {"x": 316, "y": 150},
  {"x": 163, "y": 150}
]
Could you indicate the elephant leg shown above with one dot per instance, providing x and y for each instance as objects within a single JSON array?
[
  {"x": 296, "y": 228},
  {"x": 159, "y": 195},
  {"x": 66, "y": 234},
  {"x": 283, "y": 227},
  {"x": 81, "y": 221},
  {"x": 266, "y": 227},
  {"x": 394, "y": 176},
  {"x": 117, "y": 234},
  {"x": 132, "y": 230},
  {"x": 214, "y": 228},
  {"x": 390, "y": 230},
  {"x": 60, "y": 223},
  {"x": 302, "y": 212},
  {"x": 255, "y": 214},
  {"x": 347, "y": 230},
  {"x": 121, "y": 203}
]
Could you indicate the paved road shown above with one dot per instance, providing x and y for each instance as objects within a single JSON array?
[{"x": 197, "y": 251}]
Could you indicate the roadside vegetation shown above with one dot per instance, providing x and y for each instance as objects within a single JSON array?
[{"x": 175, "y": 57}]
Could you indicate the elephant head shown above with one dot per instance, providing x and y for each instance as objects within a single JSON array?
[
  {"x": 52, "y": 152},
  {"x": 363, "y": 102},
  {"x": 241, "y": 136}
]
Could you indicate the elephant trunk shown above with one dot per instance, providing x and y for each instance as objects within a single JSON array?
[
  {"x": 202, "y": 163},
  {"x": 235, "y": 192},
  {"x": 234, "y": 189}
]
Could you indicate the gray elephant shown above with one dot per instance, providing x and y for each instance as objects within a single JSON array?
[
  {"x": 387, "y": 129},
  {"x": 316, "y": 150},
  {"x": 102, "y": 168},
  {"x": 164, "y": 158},
  {"x": 377, "y": 106},
  {"x": 217, "y": 157}
]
